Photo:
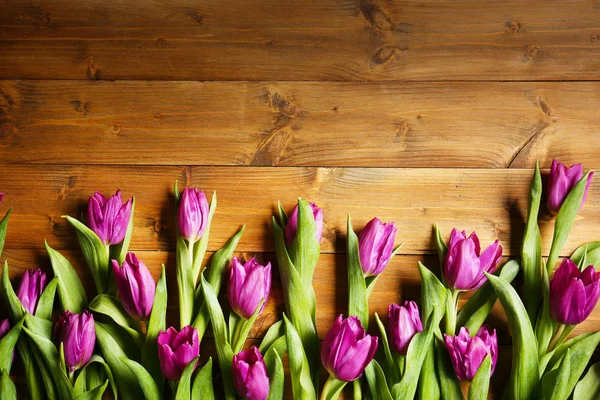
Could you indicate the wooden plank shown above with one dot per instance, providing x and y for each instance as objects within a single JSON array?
[
  {"x": 300, "y": 123},
  {"x": 490, "y": 202},
  {"x": 303, "y": 40}
]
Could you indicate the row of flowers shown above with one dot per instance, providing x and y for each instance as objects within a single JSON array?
[{"x": 119, "y": 339}]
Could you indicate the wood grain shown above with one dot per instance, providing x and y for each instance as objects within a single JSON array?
[
  {"x": 301, "y": 40},
  {"x": 490, "y": 125}
]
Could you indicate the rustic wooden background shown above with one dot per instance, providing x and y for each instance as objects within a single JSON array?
[{"x": 416, "y": 112}]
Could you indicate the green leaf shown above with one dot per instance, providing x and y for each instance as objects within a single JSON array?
[
  {"x": 332, "y": 389},
  {"x": 214, "y": 275},
  {"x": 276, "y": 374},
  {"x": 95, "y": 253},
  {"x": 8, "y": 391},
  {"x": 564, "y": 220},
  {"x": 392, "y": 367},
  {"x": 128, "y": 382},
  {"x": 378, "y": 385},
  {"x": 302, "y": 385},
  {"x": 478, "y": 307},
  {"x": 123, "y": 340},
  {"x": 531, "y": 251},
  {"x": 524, "y": 378},
  {"x": 93, "y": 374},
  {"x": 442, "y": 247},
  {"x": 7, "y": 346},
  {"x": 3, "y": 229},
  {"x": 156, "y": 324},
  {"x": 185, "y": 383},
  {"x": 33, "y": 377},
  {"x": 449, "y": 384},
  {"x": 429, "y": 385},
  {"x": 185, "y": 280},
  {"x": 481, "y": 381},
  {"x": 46, "y": 302},
  {"x": 588, "y": 251},
  {"x": 200, "y": 248},
  {"x": 112, "y": 307},
  {"x": 224, "y": 350},
  {"x": 358, "y": 302},
  {"x": 589, "y": 387},
  {"x": 247, "y": 325},
  {"x": 305, "y": 249},
  {"x": 545, "y": 325},
  {"x": 274, "y": 332},
  {"x": 561, "y": 384},
  {"x": 283, "y": 218},
  {"x": 280, "y": 346},
  {"x": 94, "y": 394},
  {"x": 203, "y": 384},
  {"x": 42, "y": 327},
  {"x": 70, "y": 290},
  {"x": 119, "y": 252},
  {"x": 146, "y": 381},
  {"x": 15, "y": 308},
  {"x": 433, "y": 296}
]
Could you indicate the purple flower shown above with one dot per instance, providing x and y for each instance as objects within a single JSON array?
[
  {"x": 193, "y": 214},
  {"x": 347, "y": 349},
  {"x": 1, "y": 197},
  {"x": 404, "y": 322},
  {"x": 176, "y": 350},
  {"x": 464, "y": 266},
  {"x": 560, "y": 183},
  {"x": 292, "y": 224},
  {"x": 467, "y": 353},
  {"x": 250, "y": 374},
  {"x": 109, "y": 218},
  {"x": 135, "y": 285},
  {"x": 31, "y": 288},
  {"x": 573, "y": 294},
  {"x": 375, "y": 246},
  {"x": 78, "y": 335},
  {"x": 4, "y": 329},
  {"x": 249, "y": 283}
]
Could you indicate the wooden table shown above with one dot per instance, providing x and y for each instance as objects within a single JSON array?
[{"x": 416, "y": 112}]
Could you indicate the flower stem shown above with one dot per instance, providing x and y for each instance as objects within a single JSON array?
[
  {"x": 451, "y": 310},
  {"x": 332, "y": 388},
  {"x": 557, "y": 335},
  {"x": 357, "y": 390},
  {"x": 236, "y": 331}
]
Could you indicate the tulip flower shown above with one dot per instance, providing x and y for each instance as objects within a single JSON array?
[
  {"x": 109, "y": 218},
  {"x": 31, "y": 288},
  {"x": 249, "y": 284},
  {"x": 292, "y": 223},
  {"x": 573, "y": 294},
  {"x": 467, "y": 353},
  {"x": 135, "y": 285},
  {"x": 193, "y": 214},
  {"x": 560, "y": 182},
  {"x": 347, "y": 349},
  {"x": 1, "y": 197},
  {"x": 77, "y": 333},
  {"x": 176, "y": 350},
  {"x": 250, "y": 374},
  {"x": 465, "y": 265},
  {"x": 375, "y": 246},
  {"x": 404, "y": 322}
]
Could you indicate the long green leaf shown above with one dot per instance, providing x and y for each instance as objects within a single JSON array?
[
  {"x": 433, "y": 295},
  {"x": 442, "y": 247},
  {"x": 246, "y": 326},
  {"x": 589, "y": 387},
  {"x": 588, "y": 251},
  {"x": 429, "y": 385},
  {"x": 378, "y": 385},
  {"x": 449, "y": 384},
  {"x": 392, "y": 367},
  {"x": 276, "y": 374},
  {"x": 203, "y": 383},
  {"x": 8, "y": 391},
  {"x": 561, "y": 385},
  {"x": 302, "y": 385},
  {"x": 119, "y": 252},
  {"x": 93, "y": 374},
  {"x": 94, "y": 394},
  {"x": 545, "y": 326},
  {"x": 33, "y": 377},
  {"x": 481, "y": 381},
  {"x": 274, "y": 332},
  {"x": 70, "y": 290},
  {"x": 524, "y": 378},
  {"x": 40, "y": 326},
  {"x": 46, "y": 302},
  {"x": 305, "y": 248},
  {"x": 112, "y": 307},
  {"x": 358, "y": 302},
  {"x": 3, "y": 229},
  {"x": 146, "y": 381},
  {"x": 15, "y": 308},
  {"x": 184, "y": 388},
  {"x": 201, "y": 246},
  {"x": 7, "y": 346}
]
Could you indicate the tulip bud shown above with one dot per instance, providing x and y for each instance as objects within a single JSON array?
[
  {"x": 176, "y": 350},
  {"x": 560, "y": 182},
  {"x": 464, "y": 267},
  {"x": 31, "y": 288},
  {"x": 77, "y": 333},
  {"x": 250, "y": 374},
  {"x": 573, "y": 294},
  {"x": 249, "y": 283},
  {"x": 135, "y": 285},
  {"x": 467, "y": 353},
  {"x": 292, "y": 223},
  {"x": 404, "y": 322},
  {"x": 347, "y": 349},
  {"x": 109, "y": 218},
  {"x": 193, "y": 214},
  {"x": 375, "y": 246}
]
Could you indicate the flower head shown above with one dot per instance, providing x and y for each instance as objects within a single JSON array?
[
  {"x": 375, "y": 246},
  {"x": 136, "y": 286},
  {"x": 31, "y": 288},
  {"x": 404, "y": 322},
  {"x": 193, "y": 214},
  {"x": 249, "y": 284},
  {"x": 560, "y": 182},
  {"x": 467, "y": 353},
  {"x": 250, "y": 374},
  {"x": 109, "y": 218},
  {"x": 176, "y": 350},
  {"x": 77, "y": 333}
]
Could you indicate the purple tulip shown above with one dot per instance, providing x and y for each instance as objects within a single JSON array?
[
  {"x": 467, "y": 353},
  {"x": 176, "y": 350},
  {"x": 77, "y": 333},
  {"x": 375, "y": 246},
  {"x": 404, "y": 322},
  {"x": 464, "y": 267},
  {"x": 573, "y": 294},
  {"x": 250, "y": 374},
  {"x": 560, "y": 182},
  {"x": 193, "y": 214},
  {"x": 4, "y": 329},
  {"x": 249, "y": 283},
  {"x": 136, "y": 286},
  {"x": 347, "y": 349},
  {"x": 292, "y": 224},
  {"x": 109, "y": 218},
  {"x": 31, "y": 288},
  {"x": 1, "y": 197}
]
